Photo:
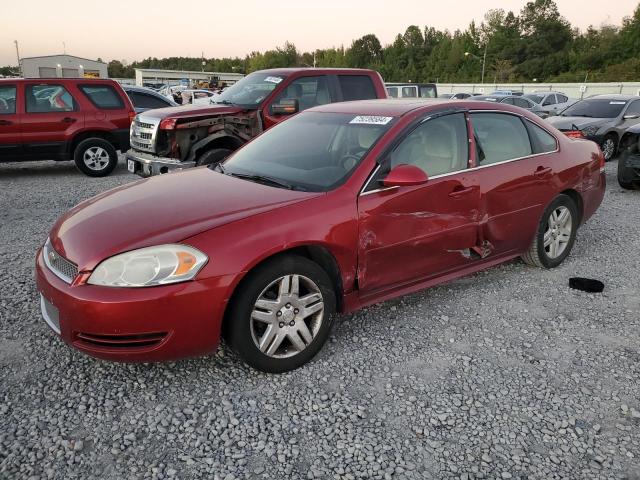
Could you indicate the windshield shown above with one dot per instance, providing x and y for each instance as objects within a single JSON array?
[
  {"x": 312, "y": 151},
  {"x": 596, "y": 108},
  {"x": 535, "y": 98},
  {"x": 251, "y": 90}
]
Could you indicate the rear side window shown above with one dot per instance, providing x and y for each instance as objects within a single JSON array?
[
  {"x": 103, "y": 96},
  {"x": 47, "y": 98},
  {"x": 500, "y": 137},
  {"x": 356, "y": 87},
  {"x": 541, "y": 140},
  {"x": 427, "y": 91},
  {"x": 142, "y": 100},
  {"x": 7, "y": 99}
]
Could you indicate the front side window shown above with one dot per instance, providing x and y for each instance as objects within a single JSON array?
[
  {"x": 7, "y": 99},
  {"x": 562, "y": 98},
  {"x": 309, "y": 91},
  {"x": 356, "y": 87},
  {"x": 47, "y": 98},
  {"x": 251, "y": 90},
  {"x": 522, "y": 103},
  {"x": 550, "y": 100},
  {"x": 437, "y": 146},
  {"x": 508, "y": 101},
  {"x": 634, "y": 108},
  {"x": 103, "y": 97},
  {"x": 393, "y": 92},
  {"x": 312, "y": 151},
  {"x": 499, "y": 137},
  {"x": 535, "y": 98}
]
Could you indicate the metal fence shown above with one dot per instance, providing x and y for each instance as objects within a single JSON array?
[{"x": 573, "y": 90}]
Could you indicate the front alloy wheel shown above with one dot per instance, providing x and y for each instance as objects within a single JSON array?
[
  {"x": 281, "y": 314},
  {"x": 608, "y": 148}
]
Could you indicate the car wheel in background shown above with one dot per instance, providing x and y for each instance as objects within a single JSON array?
[
  {"x": 95, "y": 157},
  {"x": 609, "y": 146},
  {"x": 213, "y": 156},
  {"x": 627, "y": 177},
  {"x": 282, "y": 314},
  {"x": 556, "y": 234}
]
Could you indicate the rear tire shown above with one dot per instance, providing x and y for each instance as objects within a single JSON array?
[
  {"x": 282, "y": 314},
  {"x": 213, "y": 156},
  {"x": 555, "y": 235},
  {"x": 95, "y": 157}
]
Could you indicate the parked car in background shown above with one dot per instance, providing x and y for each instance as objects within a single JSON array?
[
  {"x": 178, "y": 138},
  {"x": 196, "y": 97},
  {"x": 629, "y": 161},
  {"x": 81, "y": 119},
  {"x": 507, "y": 92},
  {"x": 515, "y": 101},
  {"x": 412, "y": 90},
  {"x": 601, "y": 118},
  {"x": 550, "y": 102},
  {"x": 144, "y": 99},
  {"x": 455, "y": 96},
  {"x": 340, "y": 207}
]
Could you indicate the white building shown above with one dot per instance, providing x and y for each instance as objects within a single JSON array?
[
  {"x": 174, "y": 77},
  {"x": 67, "y": 66}
]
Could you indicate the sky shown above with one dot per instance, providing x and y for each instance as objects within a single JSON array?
[{"x": 133, "y": 30}]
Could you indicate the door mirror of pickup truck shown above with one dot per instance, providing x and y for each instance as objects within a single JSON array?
[{"x": 286, "y": 106}]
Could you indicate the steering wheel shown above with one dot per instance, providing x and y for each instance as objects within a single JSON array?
[
  {"x": 349, "y": 161},
  {"x": 4, "y": 105}
]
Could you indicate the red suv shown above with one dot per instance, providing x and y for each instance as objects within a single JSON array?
[{"x": 80, "y": 119}]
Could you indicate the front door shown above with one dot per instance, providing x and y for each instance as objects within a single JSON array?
[
  {"x": 10, "y": 137},
  {"x": 51, "y": 113},
  {"x": 407, "y": 234}
]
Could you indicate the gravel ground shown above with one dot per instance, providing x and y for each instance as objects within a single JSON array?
[{"x": 505, "y": 374}]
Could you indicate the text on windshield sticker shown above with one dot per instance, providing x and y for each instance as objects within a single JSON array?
[
  {"x": 371, "y": 120},
  {"x": 273, "y": 79}
]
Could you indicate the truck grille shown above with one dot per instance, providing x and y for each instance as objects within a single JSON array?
[
  {"x": 60, "y": 266},
  {"x": 142, "y": 134}
]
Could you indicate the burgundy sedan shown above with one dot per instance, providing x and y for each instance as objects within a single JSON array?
[{"x": 339, "y": 207}]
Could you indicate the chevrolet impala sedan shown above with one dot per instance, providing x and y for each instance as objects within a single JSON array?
[{"x": 339, "y": 207}]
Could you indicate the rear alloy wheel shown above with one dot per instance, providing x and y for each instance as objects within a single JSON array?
[
  {"x": 95, "y": 157},
  {"x": 282, "y": 315},
  {"x": 608, "y": 147},
  {"x": 556, "y": 234}
]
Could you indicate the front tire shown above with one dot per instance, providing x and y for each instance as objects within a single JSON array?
[
  {"x": 213, "y": 157},
  {"x": 282, "y": 314},
  {"x": 95, "y": 157},
  {"x": 627, "y": 177},
  {"x": 555, "y": 235},
  {"x": 609, "y": 147}
]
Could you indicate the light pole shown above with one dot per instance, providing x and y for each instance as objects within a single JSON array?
[{"x": 484, "y": 59}]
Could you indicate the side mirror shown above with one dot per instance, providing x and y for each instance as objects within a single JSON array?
[
  {"x": 631, "y": 116},
  {"x": 405, "y": 175},
  {"x": 286, "y": 106}
]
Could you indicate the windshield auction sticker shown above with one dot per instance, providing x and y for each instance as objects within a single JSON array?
[
  {"x": 617, "y": 103},
  {"x": 371, "y": 120},
  {"x": 273, "y": 79}
]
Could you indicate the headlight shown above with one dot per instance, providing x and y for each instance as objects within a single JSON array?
[
  {"x": 590, "y": 130},
  {"x": 149, "y": 266}
]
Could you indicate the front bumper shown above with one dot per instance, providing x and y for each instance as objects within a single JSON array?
[
  {"x": 147, "y": 165},
  {"x": 134, "y": 324}
]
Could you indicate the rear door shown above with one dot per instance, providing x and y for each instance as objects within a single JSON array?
[
  {"x": 52, "y": 115},
  {"x": 515, "y": 169},
  {"x": 10, "y": 130}
]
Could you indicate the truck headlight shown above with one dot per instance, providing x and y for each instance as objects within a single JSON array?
[
  {"x": 149, "y": 266},
  {"x": 590, "y": 130}
]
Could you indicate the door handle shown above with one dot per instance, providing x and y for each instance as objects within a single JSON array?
[
  {"x": 6, "y": 122},
  {"x": 459, "y": 191},
  {"x": 542, "y": 171},
  {"x": 68, "y": 120}
]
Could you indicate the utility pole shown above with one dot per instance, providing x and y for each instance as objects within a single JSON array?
[
  {"x": 484, "y": 59},
  {"x": 64, "y": 48},
  {"x": 18, "y": 56},
  {"x": 314, "y": 59}
]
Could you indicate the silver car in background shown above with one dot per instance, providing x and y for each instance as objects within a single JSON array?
[{"x": 550, "y": 102}]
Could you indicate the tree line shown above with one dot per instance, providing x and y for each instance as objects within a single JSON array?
[{"x": 535, "y": 44}]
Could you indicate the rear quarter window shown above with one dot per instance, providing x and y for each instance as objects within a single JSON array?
[
  {"x": 103, "y": 97},
  {"x": 541, "y": 140},
  {"x": 357, "y": 87}
]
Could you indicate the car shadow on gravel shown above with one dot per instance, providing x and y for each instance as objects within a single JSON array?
[{"x": 51, "y": 168}]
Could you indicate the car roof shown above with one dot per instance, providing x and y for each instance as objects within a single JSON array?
[
  {"x": 289, "y": 71},
  {"x": 612, "y": 97},
  {"x": 399, "y": 107},
  {"x": 57, "y": 79}
]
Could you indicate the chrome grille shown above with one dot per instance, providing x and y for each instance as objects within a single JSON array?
[
  {"x": 142, "y": 134},
  {"x": 59, "y": 265}
]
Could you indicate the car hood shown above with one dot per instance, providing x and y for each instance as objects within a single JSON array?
[
  {"x": 192, "y": 111},
  {"x": 158, "y": 210},
  {"x": 568, "y": 123}
]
